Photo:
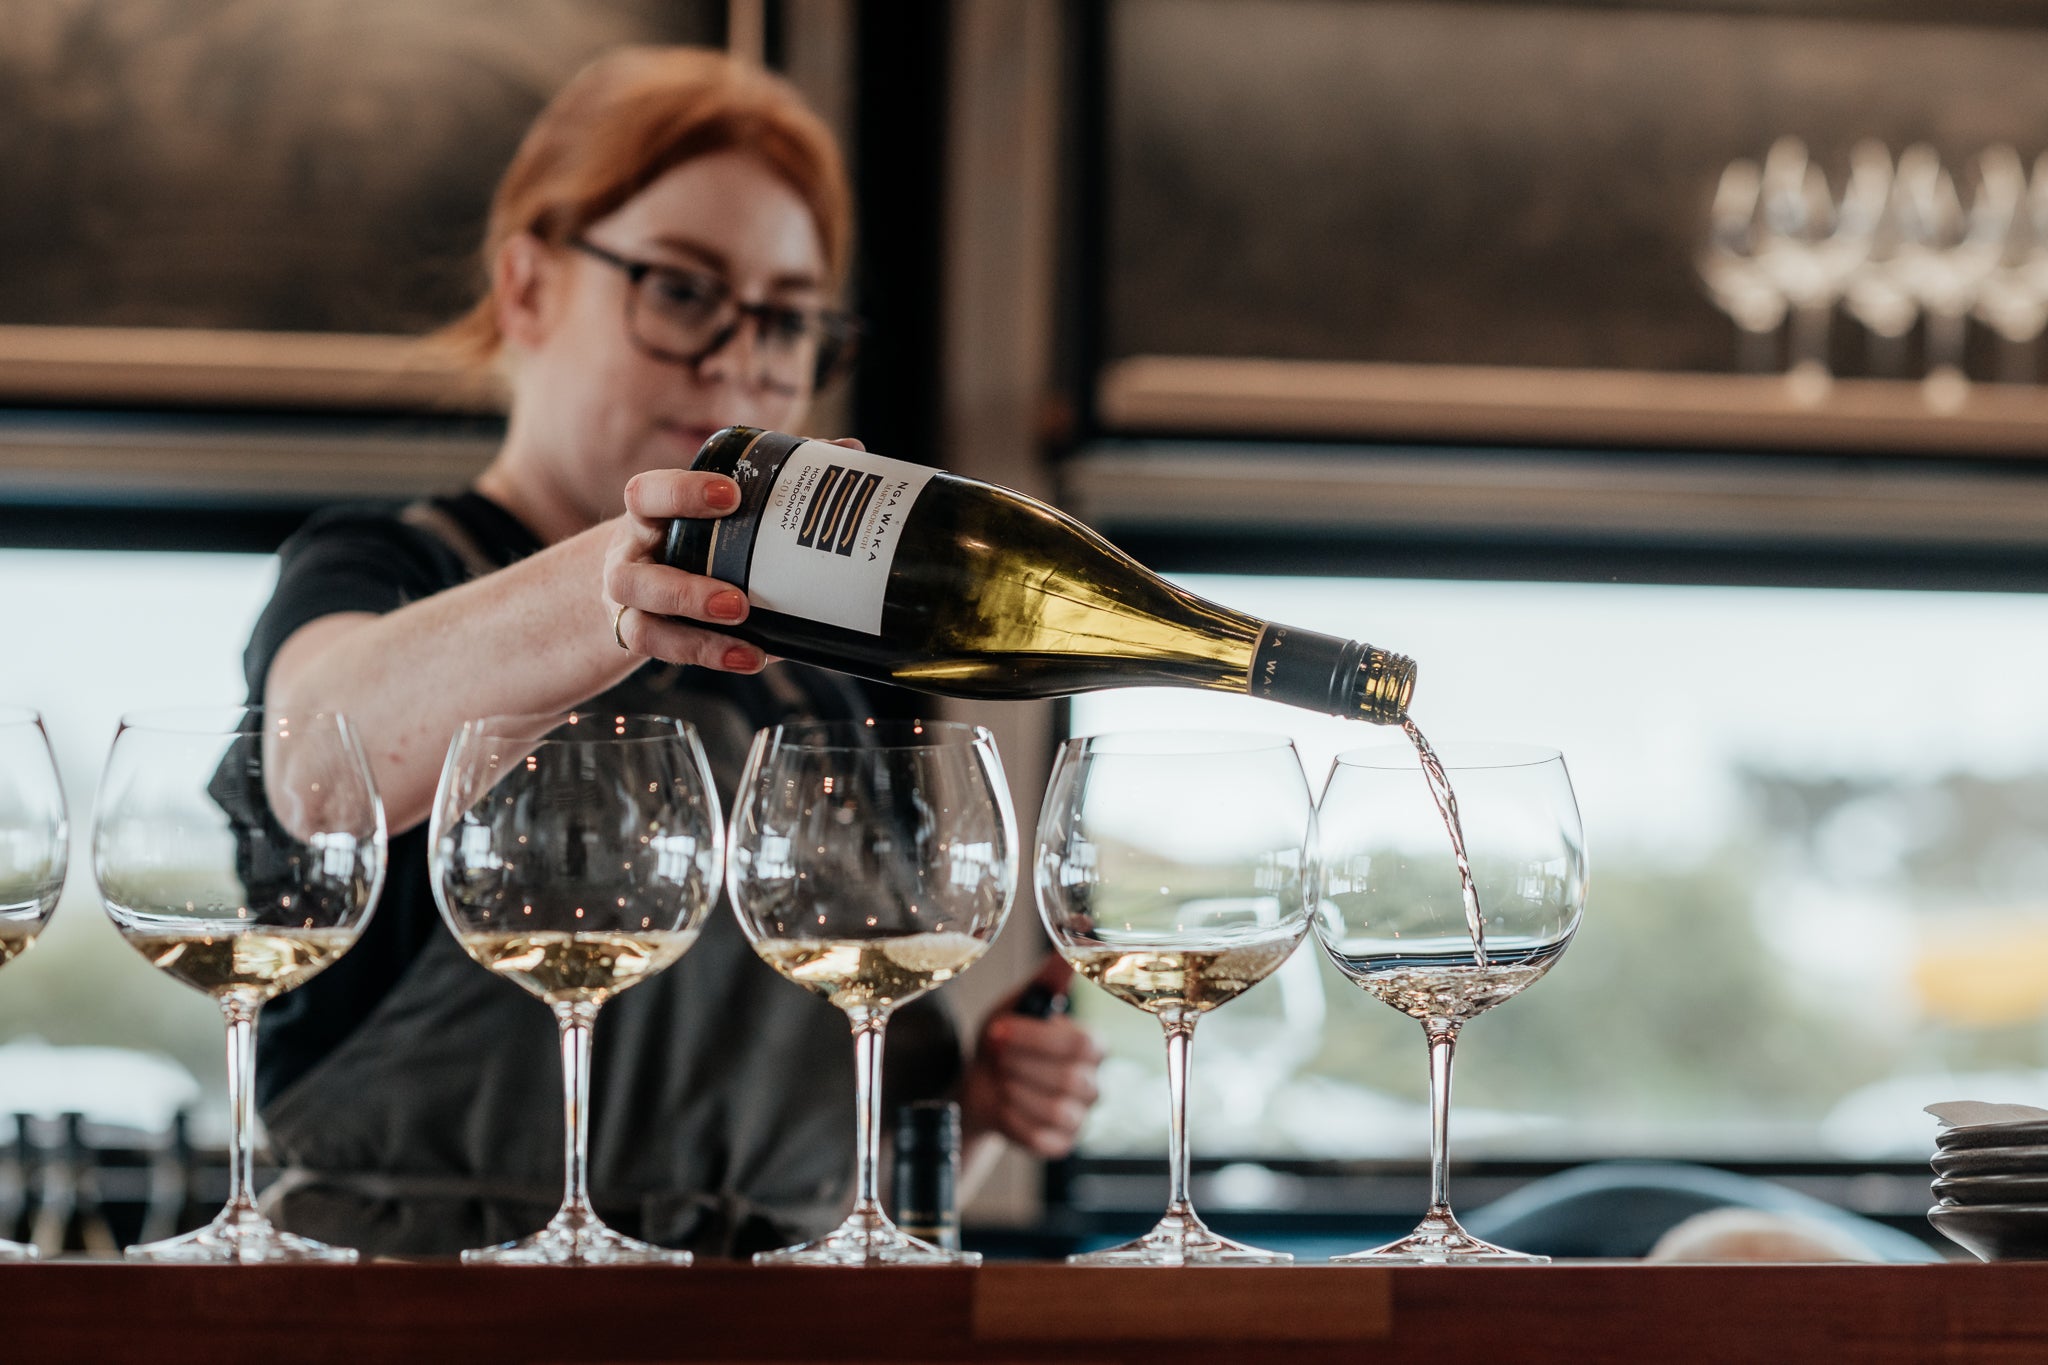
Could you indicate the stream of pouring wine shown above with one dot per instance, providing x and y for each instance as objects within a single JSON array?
[{"x": 1447, "y": 806}]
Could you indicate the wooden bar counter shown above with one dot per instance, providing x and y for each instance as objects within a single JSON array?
[{"x": 394, "y": 1314}]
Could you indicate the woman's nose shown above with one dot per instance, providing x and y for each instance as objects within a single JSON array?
[{"x": 733, "y": 358}]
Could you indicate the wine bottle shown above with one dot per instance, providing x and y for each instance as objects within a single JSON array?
[
  {"x": 928, "y": 1171},
  {"x": 906, "y": 574}
]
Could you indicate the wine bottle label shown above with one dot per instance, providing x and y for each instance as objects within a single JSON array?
[
  {"x": 1303, "y": 668},
  {"x": 827, "y": 534}
]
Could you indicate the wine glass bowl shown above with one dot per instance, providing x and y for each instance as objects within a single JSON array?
[
  {"x": 869, "y": 863},
  {"x": 1394, "y": 919},
  {"x": 34, "y": 846},
  {"x": 576, "y": 854},
  {"x": 240, "y": 852},
  {"x": 1176, "y": 871}
]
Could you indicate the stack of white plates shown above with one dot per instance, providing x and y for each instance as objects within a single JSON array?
[{"x": 1992, "y": 1181}]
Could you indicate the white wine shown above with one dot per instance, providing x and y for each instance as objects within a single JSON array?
[
  {"x": 1447, "y": 806},
  {"x": 1452, "y": 988},
  {"x": 871, "y": 973},
  {"x": 579, "y": 967},
  {"x": 906, "y": 574},
  {"x": 1179, "y": 980},
  {"x": 16, "y": 939},
  {"x": 263, "y": 960}
]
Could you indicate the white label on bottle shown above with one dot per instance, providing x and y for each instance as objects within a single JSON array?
[{"x": 829, "y": 532}]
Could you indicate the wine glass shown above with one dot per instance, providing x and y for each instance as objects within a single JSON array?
[
  {"x": 34, "y": 845},
  {"x": 1729, "y": 267},
  {"x": 871, "y": 861},
  {"x": 1876, "y": 294},
  {"x": 1945, "y": 252},
  {"x": 2010, "y": 299},
  {"x": 576, "y": 854},
  {"x": 1810, "y": 246},
  {"x": 1176, "y": 870},
  {"x": 1395, "y": 914},
  {"x": 240, "y": 851}
]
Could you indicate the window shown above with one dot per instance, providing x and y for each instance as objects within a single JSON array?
[
  {"x": 91, "y": 635},
  {"x": 1817, "y": 822}
]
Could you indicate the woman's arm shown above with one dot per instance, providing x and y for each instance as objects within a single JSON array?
[{"x": 535, "y": 636}]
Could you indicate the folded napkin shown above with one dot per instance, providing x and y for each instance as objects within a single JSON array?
[{"x": 1969, "y": 1113}]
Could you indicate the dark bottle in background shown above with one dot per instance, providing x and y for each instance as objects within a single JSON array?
[{"x": 927, "y": 1176}]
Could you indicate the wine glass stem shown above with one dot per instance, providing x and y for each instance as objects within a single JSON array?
[
  {"x": 867, "y": 1073},
  {"x": 241, "y": 1016},
  {"x": 1443, "y": 1040},
  {"x": 1944, "y": 341},
  {"x": 1180, "y": 1035},
  {"x": 1810, "y": 335},
  {"x": 575, "y": 1021}
]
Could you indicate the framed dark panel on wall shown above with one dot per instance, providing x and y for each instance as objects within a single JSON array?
[
  {"x": 257, "y": 200},
  {"x": 1335, "y": 218}
]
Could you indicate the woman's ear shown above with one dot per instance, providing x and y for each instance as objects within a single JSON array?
[{"x": 523, "y": 283}]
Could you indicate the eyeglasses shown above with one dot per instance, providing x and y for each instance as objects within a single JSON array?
[{"x": 687, "y": 316}]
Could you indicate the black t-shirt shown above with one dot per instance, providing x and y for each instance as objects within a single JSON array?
[{"x": 717, "y": 1054}]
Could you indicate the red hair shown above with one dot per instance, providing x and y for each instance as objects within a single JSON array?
[{"x": 624, "y": 121}]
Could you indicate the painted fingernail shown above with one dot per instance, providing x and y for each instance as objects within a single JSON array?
[
  {"x": 729, "y": 605},
  {"x": 722, "y": 495},
  {"x": 740, "y": 659}
]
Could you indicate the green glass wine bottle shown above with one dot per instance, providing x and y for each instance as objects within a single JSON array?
[{"x": 907, "y": 574}]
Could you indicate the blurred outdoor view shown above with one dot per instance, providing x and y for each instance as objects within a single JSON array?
[
  {"x": 1817, "y": 822},
  {"x": 91, "y": 635}
]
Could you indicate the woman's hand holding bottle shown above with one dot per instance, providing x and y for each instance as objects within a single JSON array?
[{"x": 651, "y": 602}]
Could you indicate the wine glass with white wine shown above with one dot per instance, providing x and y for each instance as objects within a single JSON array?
[
  {"x": 34, "y": 846},
  {"x": 240, "y": 851},
  {"x": 1176, "y": 871},
  {"x": 1401, "y": 920},
  {"x": 576, "y": 854},
  {"x": 870, "y": 862}
]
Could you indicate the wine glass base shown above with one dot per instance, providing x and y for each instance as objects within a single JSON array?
[
  {"x": 1439, "y": 1240},
  {"x": 1181, "y": 1239},
  {"x": 240, "y": 1236},
  {"x": 867, "y": 1240},
  {"x": 574, "y": 1237},
  {"x": 17, "y": 1251}
]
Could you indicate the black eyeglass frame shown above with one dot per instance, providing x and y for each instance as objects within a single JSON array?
[{"x": 838, "y": 333}]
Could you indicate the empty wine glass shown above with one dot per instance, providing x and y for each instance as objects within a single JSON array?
[
  {"x": 1393, "y": 917},
  {"x": 1727, "y": 262},
  {"x": 1810, "y": 246},
  {"x": 34, "y": 845},
  {"x": 1875, "y": 294},
  {"x": 1943, "y": 258},
  {"x": 576, "y": 854},
  {"x": 2012, "y": 299},
  {"x": 869, "y": 862},
  {"x": 1176, "y": 871},
  {"x": 241, "y": 852}
]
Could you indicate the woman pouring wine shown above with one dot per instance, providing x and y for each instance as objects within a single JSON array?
[{"x": 661, "y": 257}]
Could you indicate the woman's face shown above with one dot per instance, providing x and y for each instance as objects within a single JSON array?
[{"x": 602, "y": 406}]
